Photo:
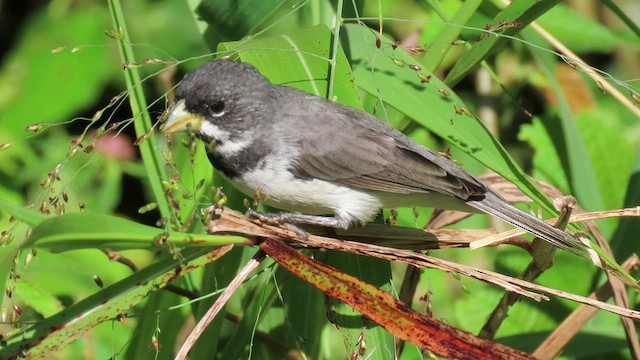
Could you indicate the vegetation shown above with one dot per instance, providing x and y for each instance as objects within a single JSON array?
[{"x": 105, "y": 251}]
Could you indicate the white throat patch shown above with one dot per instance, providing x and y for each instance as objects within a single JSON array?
[{"x": 227, "y": 146}]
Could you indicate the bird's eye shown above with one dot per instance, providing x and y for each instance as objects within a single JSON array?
[{"x": 217, "y": 108}]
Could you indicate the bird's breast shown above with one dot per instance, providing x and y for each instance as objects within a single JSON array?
[{"x": 310, "y": 196}]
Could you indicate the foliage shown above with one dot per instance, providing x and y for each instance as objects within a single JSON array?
[{"x": 80, "y": 171}]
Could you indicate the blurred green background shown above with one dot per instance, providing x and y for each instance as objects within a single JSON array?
[{"x": 61, "y": 67}]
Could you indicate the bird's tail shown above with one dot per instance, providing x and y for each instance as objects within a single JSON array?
[{"x": 495, "y": 205}]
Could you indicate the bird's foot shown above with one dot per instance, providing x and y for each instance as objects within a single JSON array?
[
  {"x": 285, "y": 220},
  {"x": 289, "y": 220}
]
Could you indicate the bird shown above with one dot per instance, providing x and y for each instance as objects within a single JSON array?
[{"x": 322, "y": 162}]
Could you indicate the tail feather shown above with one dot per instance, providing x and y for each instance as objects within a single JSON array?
[{"x": 495, "y": 205}]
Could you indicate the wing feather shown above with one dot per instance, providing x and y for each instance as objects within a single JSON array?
[{"x": 359, "y": 150}]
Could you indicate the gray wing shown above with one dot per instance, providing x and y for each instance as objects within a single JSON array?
[{"x": 359, "y": 150}]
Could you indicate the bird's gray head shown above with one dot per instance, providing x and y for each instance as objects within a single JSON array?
[{"x": 221, "y": 101}]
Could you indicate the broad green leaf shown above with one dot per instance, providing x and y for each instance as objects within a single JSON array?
[
  {"x": 229, "y": 20},
  {"x": 58, "y": 331},
  {"x": 36, "y": 297},
  {"x": 299, "y": 60},
  {"x": 86, "y": 230},
  {"x": 47, "y": 278}
]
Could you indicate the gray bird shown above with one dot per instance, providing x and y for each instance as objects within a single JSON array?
[{"x": 315, "y": 157}]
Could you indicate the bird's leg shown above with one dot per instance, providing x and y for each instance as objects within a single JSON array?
[{"x": 290, "y": 219}]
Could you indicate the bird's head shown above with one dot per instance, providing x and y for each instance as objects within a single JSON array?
[{"x": 220, "y": 101}]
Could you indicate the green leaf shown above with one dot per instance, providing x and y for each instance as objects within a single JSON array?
[
  {"x": 610, "y": 154},
  {"x": 547, "y": 165},
  {"x": 58, "y": 331},
  {"x": 86, "y": 230},
  {"x": 49, "y": 279},
  {"x": 302, "y": 62},
  {"x": 29, "y": 216},
  {"x": 38, "y": 298},
  {"x": 230, "y": 19}
]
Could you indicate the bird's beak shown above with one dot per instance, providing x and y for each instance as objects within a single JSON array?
[{"x": 180, "y": 119}]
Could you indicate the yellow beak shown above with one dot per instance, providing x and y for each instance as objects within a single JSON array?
[{"x": 180, "y": 119}]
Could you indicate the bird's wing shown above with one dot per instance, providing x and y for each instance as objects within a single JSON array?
[{"x": 369, "y": 154}]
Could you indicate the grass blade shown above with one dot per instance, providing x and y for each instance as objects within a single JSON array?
[{"x": 142, "y": 121}]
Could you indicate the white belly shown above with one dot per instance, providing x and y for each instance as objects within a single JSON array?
[{"x": 313, "y": 197}]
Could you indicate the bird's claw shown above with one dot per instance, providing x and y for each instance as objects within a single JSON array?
[{"x": 278, "y": 219}]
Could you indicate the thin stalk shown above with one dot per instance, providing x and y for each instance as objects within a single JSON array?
[
  {"x": 334, "y": 48},
  {"x": 141, "y": 121}
]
